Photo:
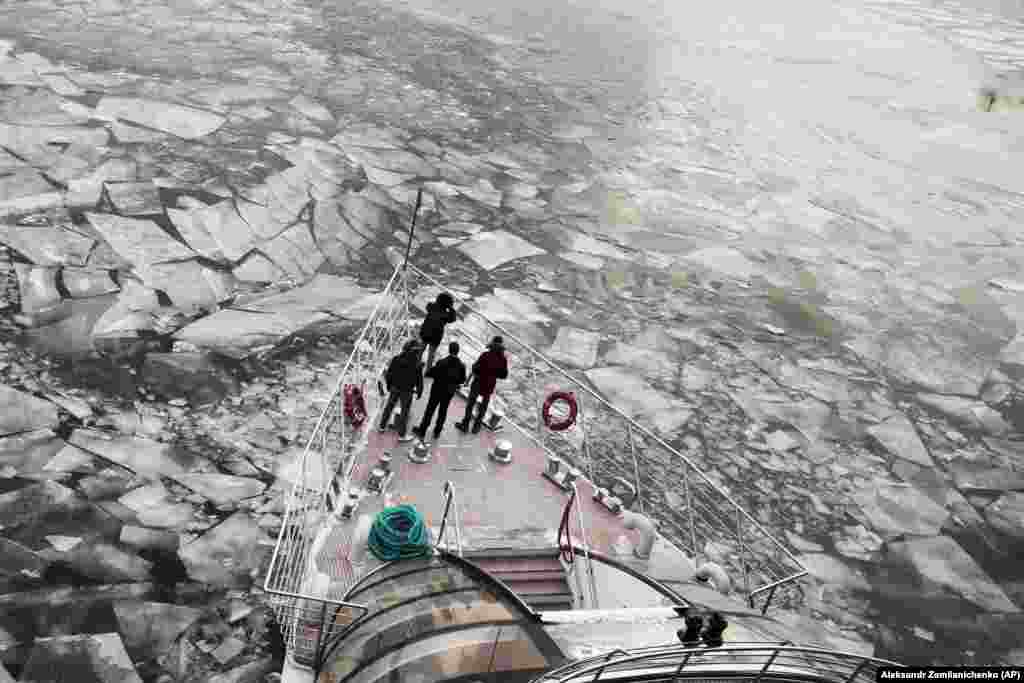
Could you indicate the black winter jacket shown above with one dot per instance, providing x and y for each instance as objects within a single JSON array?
[
  {"x": 405, "y": 373},
  {"x": 448, "y": 374},
  {"x": 432, "y": 329}
]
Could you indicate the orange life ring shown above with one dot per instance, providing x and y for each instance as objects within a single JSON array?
[
  {"x": 355, "y": 405},
  {"x": 561, "y": 425}
]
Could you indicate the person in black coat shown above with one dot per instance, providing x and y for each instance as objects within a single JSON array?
[
  {"x": 404, "y": 377},
  {"x": 449, "y": 374},
  {"x": 440, "y": 312}
]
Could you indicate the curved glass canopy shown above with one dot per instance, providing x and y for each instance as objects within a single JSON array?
[{"x": 439, "y": 619}]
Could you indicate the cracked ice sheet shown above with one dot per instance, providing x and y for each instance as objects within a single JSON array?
[
  {"x": 185, "y": 122},
  {"x": 492, "y": 249},
  {"x": 237, "y": 332},
  {"x": 295, "y": 252},
  {"x": 138, "y": 241},
  {"x": 585, "y": 244},
  {"x": 637, "y": 398}
]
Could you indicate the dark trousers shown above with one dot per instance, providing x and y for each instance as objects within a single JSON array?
[
  {"x": 431, "y": 350},
  {"x": 405, "y": 398},
  {"x": 474, "y": 393},
  {"x": 437, "y": 401}
]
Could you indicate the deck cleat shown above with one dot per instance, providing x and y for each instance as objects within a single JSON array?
[
  {"x": 348, "y": 507},
  {"x": 609, "y": 502},
  {"x": 378, "y": 481},
  {"x": 502, "y": 452},
  {"x": 420, "y": 453},
  {"x": 561, "y": 474},
  {"x": 493, "y": 421}
]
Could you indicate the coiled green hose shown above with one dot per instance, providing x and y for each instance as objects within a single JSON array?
[{"x": 398, "y": 533}]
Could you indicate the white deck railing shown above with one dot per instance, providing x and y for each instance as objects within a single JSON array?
[
  {"x": 755, "y": 661},
  {"x": 606, "y": 443}
]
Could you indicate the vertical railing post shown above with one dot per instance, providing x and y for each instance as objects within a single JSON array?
[
  {"x": 407, "y": 295},
  {"x": 586, "y": 440},
  {"x": 768, "y": 600},
  {"x": 856, "y": 672},
  {"x": 537, "y": 402},
  {"x": 743, "y": 550},
  {"x": 682, "y": 665},
  {"x": 586, "y": 548},
  {"x": 458, "y": 529},
  {"x": 767, "y": 665},
  {"x": 636, "y": 466},
  {"x": 690, "y": 515}
]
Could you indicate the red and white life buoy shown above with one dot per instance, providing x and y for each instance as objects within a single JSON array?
[
  {"x": 560, "y": 425},
  {"x": 355, "y": 405}
]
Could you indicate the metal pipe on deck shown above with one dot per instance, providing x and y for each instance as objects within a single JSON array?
[{"x": 641, "y": 523}]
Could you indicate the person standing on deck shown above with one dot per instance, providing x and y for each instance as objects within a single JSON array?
[
  {"x": 404, "y": 377},
  {"x": 487, "y": 370},
  {"x": 449, "y": 374},
  {"x": 440, "y": 312}
]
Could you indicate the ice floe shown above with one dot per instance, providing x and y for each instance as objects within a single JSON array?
[
  {"x": 228, "y": 553},
  {"x": 898, "y": 436},
  {"x": 311, "y": 108},
  {"x": 575, "y": 347},
  {"x": 948, "y": 367},
  {"x": 967, "y": 412},
  {"x": 295, "y": 252},
  {"x": 637, "y": 398},
  {"x": 222, "y": 489},
  {"x": 176, "y": 119},
  {"x": 134, "y": 199},
  {"x": 1007, "y": 515},
  {"x": 82, "y": 283},
  {"x": 724, "y": 260},
  {"x": 492, "y": 249},
  {"x": 139, "y": 241},
  {"x": 144, "y": 456},
  {"x": 92, "y": 658},
  {"x": 152, "y": 626},
  {"x": 38, "y": 288},
  {"x": 900, "y": 509},
  {"x": 943, "y": 565},
  {"x": 154, "y": 508},
  {"x": 264, "y": 322},
  {"x": 21, "y": 412}
]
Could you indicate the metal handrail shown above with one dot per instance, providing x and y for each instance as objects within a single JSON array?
[
  {"x": 563, "y": 530},
  {"x": 449, "y": 503},
  {"x": 650, "y": 581},
  {"x": 290, "y": 572},
  {"x": 586, "y": 546},
  {"x": 386, "y": 326},
  {"x": 631, "y": 424},
  {"x": 635, "y": 425},
  {"x": 745, "y": 658}
]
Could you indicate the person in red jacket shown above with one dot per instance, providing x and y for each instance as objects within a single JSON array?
[{"x": 487, "y": 370}]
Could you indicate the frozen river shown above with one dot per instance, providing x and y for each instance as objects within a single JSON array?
[{"x": 798, "y": 197}]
